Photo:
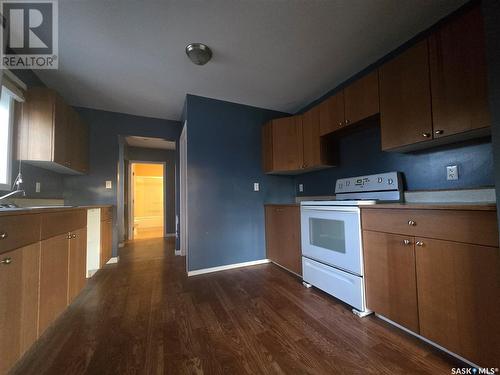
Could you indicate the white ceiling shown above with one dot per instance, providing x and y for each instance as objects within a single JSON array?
[
  {"x": 128, "y": 55},
  {"x": 146, "y": 142}
]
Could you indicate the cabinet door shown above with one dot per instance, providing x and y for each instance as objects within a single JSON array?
[
  {"x": 458, "y": 75},
  {"x": 405, "y": 98},
  {"x": 287, "y": 144},
  {"x": 459, "y": 298},
  {"x": 18, "y": 303},
  {"x": 390, "y": 277},
  {"x": 62, "y": 133},
  {"x": 77, "y": 263},
  {"x": 283, "y": 236},
  {"x": 331, "y": 114},
  {"x": 53, "y": 279},
  {"x": 312, "y": 141},
  {"x": 361, "y": 98}
]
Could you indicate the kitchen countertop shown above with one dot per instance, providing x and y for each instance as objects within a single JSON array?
[
  {"x": 39, "y": 210},
  {"x": 435, "y": 206}
]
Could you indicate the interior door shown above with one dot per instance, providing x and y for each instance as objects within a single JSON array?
[{"x": 332, "y": 236}]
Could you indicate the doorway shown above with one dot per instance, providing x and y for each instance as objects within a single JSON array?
[{"x": 146, "y": 200}]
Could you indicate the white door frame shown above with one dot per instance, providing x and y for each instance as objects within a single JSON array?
[
  {"x": 131, "y": 195},
  {"x": 183, "y": 192}
]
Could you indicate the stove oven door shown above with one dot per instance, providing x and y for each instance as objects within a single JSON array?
[{"x": 332, "y": 235}]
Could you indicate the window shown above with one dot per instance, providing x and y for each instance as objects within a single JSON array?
[{"x": 6, "y": 114}]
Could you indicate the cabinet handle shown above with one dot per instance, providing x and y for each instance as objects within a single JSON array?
[
  {"x": 6, "y": 261},
  {"x": 426, "y": 135},
  {"x": 347, "y": 122},
  {"x": 419, "y": 243},
  {"x": 3, "y": 235},
  {"x": 438, "y": 132},
  {"x": 68, "y": 236},
  {"x": 406, "y": 242},
  {"x": 340, "y": 123},
  {"x": 280, "y": 209},
  {"x": 73, "y": 236},
  {"x": 412, "y": 223}
]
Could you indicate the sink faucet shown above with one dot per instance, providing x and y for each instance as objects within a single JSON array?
[
  {"x": 17, "y": 183},
  {"x": 13, "y": 193}
]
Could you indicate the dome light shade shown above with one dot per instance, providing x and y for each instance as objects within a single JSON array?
[{"x": 198, "y": 53}]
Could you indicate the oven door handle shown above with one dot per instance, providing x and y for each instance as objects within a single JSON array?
[{"x": 354, "y": 210}]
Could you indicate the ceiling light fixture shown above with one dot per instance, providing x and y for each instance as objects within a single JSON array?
[{"x": 198, "y": 53}]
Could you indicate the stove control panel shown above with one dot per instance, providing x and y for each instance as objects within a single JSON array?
[{"x": 376, "y": 182}]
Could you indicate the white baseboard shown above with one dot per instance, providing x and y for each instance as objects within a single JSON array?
[
  {"x": 227, "y": 267},
  {"x": 121, "y": 244},
  {"x": 170, "y": 235},
  {"x": 178, "y": 252},
  {"x": 113, "y": 260},
  {"x": 91, "y": 273}
]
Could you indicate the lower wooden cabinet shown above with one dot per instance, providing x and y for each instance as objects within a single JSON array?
[
  {"x": 391, "y": 285},
  {"x": 106, "y": 240},
  {"x": 459, "y": 298},
  {"x": 77, "y": 263},
  {"x": 53, "y": 279},
  {"x": 283, "y": 236},
  {"x": 443, "y": 290},
  {"x": 19, "y": 274}
]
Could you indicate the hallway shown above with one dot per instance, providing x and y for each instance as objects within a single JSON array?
[{"x": 144, "y": 316}]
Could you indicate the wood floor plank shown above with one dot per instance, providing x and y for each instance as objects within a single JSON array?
[{"x": 145, "y": 316}]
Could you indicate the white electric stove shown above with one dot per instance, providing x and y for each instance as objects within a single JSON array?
[{"x": 332, "y": 253}]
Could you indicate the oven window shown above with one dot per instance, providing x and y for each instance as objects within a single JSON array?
[{"x": 327, "y": 234}]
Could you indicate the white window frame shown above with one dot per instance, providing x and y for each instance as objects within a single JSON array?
[{"x": 8, "y": 186}]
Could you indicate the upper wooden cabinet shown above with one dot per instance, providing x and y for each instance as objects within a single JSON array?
[
  {"x": 361, "y": 98},
  {"x": 292, "y": 144},
  {"x": 436, "y": 91},
  {"x": 458, "y": 75},
  {"x": 405, "y": 98},
  {"x": 356, "y": 102},
  {"x": 51, "y": 134},
  {"x": 331, "y": 114}
]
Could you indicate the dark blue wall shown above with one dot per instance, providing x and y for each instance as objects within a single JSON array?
[
  {"x": 360, "y": 154},
  {"x": 167, "y": 156},
  {"x": 104, "y": 131},
  {"x": 226, "y": 217}
]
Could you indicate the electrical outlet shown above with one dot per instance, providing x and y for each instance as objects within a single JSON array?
[
  {"x": 38, "y": 187},
  {"x": 109, "y": 185},
  {"x": 256, "y": 186},
  {"x": 452, "y": 172},
  {"x": 301, "y": 188}
]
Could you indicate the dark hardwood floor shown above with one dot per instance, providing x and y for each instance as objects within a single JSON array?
[{"x": 144, "y": 316}]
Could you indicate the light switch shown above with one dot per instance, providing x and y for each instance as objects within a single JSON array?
[
  {"x": 452, "y": 172},
  {"x": 256, "y": 186},
  {"x": 37, "y": 187},
  {"x": 109, "y": 185},
  {"x": 301, "y": 188}
]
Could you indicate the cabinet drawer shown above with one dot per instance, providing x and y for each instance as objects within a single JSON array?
[
  {"x": 19, "y": 230},
  {"x": 474, "y": 227},
  {"x": 56, "y": 223},
  {"x": 106, "y": 213}
]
